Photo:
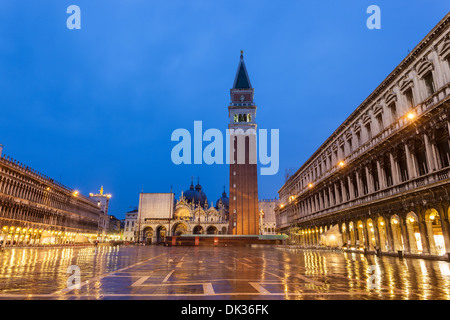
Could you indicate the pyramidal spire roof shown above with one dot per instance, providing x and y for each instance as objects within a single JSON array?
[{"x": 242, "y": 81}]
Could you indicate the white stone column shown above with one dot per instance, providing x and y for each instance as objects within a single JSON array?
[
  {"x": 323, "y": 198},
  {"x": 429, "y": 154},
  {"x": 415, "y": 163},
  {"x": 394, "y": 169},
  {"x": 332, "y": 201},
  {"x": 435, "y": 153},
  {"x": 381, "y": 177},
  {"x": 359, "y": 184},
  {"x": 351, "y": 188},
  {"x": 410, "y": 163},
  {"x": 369, "y": 179},
  {"x": 344, "y": 196},
  {"x": 336, "y": 196}
]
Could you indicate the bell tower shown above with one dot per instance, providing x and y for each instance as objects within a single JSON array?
[{"x": 243, "y": 208}]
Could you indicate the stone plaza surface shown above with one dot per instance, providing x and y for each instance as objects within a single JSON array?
[{"x": 261, "y": 273}]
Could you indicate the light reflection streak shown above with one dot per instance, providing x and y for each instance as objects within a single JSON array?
[{"x": 33, "y": 269}]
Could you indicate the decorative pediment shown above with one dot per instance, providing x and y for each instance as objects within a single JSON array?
[
  {"x": 406, "y": 83},
  {"x": 356, "y": 127},
  {"x": 182, "y": 200},
  {"x": 390, "y": 97},
  {"x": 424, "y": 66},
  {"x": 199, "y": 210},
  {"x": 377, "y": 109},
  {"x": 366, "y": 118},
  {"x": 445, "y": 49},
  {"x": 212, "y": 211},
  {"x": 334, "y": 146},
  {"x": 348, "y": 135}
]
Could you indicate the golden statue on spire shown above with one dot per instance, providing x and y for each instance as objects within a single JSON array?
[{"x": 101, "y": 190}]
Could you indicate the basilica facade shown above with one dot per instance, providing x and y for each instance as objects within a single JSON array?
[
  {"x": 381, "y": 182},
  {"x": 193, "y": 215},
  {"x": 189, "y": 214}
]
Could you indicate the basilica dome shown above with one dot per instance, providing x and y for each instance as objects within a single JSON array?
[
  {"x": 196, "y": 195},
  {"x": 224, "y": 200}
]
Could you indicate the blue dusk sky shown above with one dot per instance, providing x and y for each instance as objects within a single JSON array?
[{"x": 97, "y": 106}]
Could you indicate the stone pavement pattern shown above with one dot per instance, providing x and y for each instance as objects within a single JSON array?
[{"x": 157, "y": 272}]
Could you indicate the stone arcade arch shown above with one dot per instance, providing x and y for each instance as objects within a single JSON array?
[
  {"x": 371, "y": 239},
  {"x": 396, "y": 233},
  {"x": 148, "y": 235},
  {"x": 160, "y": 234},
  {"x": 434, "y": 231},
  {"x": 344, "y": 234},
  {"x": 352, "y": 236},
  {"x": 382, "y": 234},
  {"x": 412, "y": 227},
  {"x": 361, "y": 237},
  {"x": 407, "y": 232},
  {"x": 211, "y": 230},
  {"x": 179, "y": 228},
  {"x": 198, "y": 230}
]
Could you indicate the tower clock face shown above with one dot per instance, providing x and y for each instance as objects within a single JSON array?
[{"x": 242, "y": 98}]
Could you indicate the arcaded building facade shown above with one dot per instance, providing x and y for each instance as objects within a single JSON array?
[
  {"x": 35, "y": 209},
  {"x": 380, "y": 183}
]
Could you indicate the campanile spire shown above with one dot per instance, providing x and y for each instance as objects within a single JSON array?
[
  {"x": 242, "y": 80},
  {"x": 244, "y": 218}
]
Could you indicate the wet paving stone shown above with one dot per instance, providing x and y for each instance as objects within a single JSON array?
[{"x": 157, "y": 272}]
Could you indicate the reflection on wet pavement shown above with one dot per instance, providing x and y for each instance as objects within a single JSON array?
[{"x": 156, "y": 272}]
